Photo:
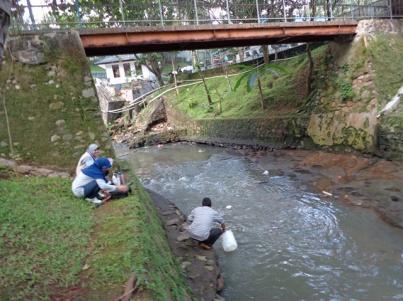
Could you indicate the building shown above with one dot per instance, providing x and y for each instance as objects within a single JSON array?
[{"x": 121, "y": 69}]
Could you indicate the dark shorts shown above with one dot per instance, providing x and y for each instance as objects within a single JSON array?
[{"x": 215, "y": 233}]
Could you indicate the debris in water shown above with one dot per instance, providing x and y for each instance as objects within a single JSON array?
[
  {"x": 201, "y": 151},
  {"x": 327, "y": 193},
  {"x": 229, "y": 207},
  {"x": 266, "y": 172}
]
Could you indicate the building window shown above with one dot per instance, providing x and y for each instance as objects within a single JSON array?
[
  {"x": 126, "y": 67},
  {"x": 115, "y": 69}
]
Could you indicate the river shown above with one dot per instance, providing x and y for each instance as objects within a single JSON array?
[{"x": 293, "y": 244}]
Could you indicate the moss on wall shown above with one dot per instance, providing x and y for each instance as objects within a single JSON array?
[{"x": 52, "y": 107}]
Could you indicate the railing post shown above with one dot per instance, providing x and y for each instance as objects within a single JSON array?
[
  {"x": 257, "y": 11},
  {"x": 31, "y": 15},
  {"x": 122, "y": 11},
  {"x": 228, "y": 15},
  {"x": 309, "y": 11},
  {"x": 331, "y": 9},
  {"x": 77, "y": 12},
  {"x": 390, "y": 9},
  {"x": 284, "y": 13},
  {"x": 196, "y": 14},
  {"x": 161, "y": 13}
]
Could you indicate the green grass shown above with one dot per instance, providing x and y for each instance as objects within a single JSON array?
[
  {"x": 281, "y": 94},
  {"x": 45, "y": 234},
  {"x": 129, "y": 238},
  {"x": 96, "y": 68},
  {"x": 386, "y": 52},
  {"x": 48, "y": 236}
]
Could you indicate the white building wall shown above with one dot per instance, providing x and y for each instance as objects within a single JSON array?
[{"x": 122, "y": 78}]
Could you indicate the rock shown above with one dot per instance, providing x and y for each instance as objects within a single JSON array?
[
  {"x": 7, "y": 163},
  {"x": 67, "y": 137},
  {"x": 218, "y": 298},
  {"x": 56, "y": 106},
  {"x": 155, "y": 115},
  {"x": 57, "y": 86},
  {"x": 31, "y": 56},
  {"x": 41, "y": 172},
  {"x": 185, "y": 264},
  {"x": 51, "y": 82},
  {"x": 183, "y": 236},
  {"x": 201, "y": 258},
  {"x": 209, "y": 268},
  {"x": 60, "y": 123},
  {"x": 87, "y": 93},
  {"x": 59, "y": 174},
  {"x": 220, "y": 283},
  {"x": 54, "y": 138},
  {"x": 174, "y": 221},
  {"x": 3, "y": 144},
  {"x": 31, "y": 118},
  {"x": 79, "y": 133},
  {"x": 17, "y": 87},
  {"x": 91, "y": 135},
  {"x": 51, "y": 73},
  {"x": 24, "y": 169}
]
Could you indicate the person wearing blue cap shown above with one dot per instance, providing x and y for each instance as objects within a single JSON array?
[{"x": 92, "y": 179}]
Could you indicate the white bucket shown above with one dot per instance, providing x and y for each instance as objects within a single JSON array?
[{"x": 228, "y": 241}]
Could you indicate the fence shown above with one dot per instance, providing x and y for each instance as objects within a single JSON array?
[{"x": 195, "y": 12}]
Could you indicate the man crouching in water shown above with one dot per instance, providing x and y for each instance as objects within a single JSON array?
[{"x": 202, "y": 227}]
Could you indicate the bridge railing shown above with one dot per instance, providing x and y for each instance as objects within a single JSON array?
[{"x": 72, "y": 14}]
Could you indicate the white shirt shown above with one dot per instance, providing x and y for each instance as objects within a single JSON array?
[
  {"x": 85, "y": 160},
  {"x": 203, "y": 219},
  {"x": 82, "y": 180}
]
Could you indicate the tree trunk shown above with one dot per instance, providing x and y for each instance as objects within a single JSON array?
[
  {"x": 31, "y": 15},
  {"x": 261, "y": 93},
  {"x": 310, "y": 68},
  {"x": 266, "y": 57},
  {"x": 241, "y": 52},
  {"x": 210, "y": 102}
]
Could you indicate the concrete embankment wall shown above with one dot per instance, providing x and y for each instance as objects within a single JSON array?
[
  {"x": 50, "y": 100},
  {"x": 256, "y": 132}
]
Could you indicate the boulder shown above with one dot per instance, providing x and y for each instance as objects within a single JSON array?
[
  {"x": 56, "y": 106},
  {"x": 60, "y": 123},
  {"x": 87, "y": 93},
  {"x": 153, "y": 114},
  {"x": 54, "y": 138},
  {"x": 31, "y": 56}
]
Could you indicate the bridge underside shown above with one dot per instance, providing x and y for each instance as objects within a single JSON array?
[{"x": 146, "y": 39}]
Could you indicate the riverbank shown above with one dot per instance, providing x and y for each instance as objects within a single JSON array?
[
  {"x": 200, "y": 266},
  {"x": 357, "y": 180},
  {"x": 55, "y": 246}
]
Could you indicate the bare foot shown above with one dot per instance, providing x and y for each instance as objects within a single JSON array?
[{"x": 204, "y": 246}]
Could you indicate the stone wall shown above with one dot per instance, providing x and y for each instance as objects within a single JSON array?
[
  {"x": 52, "y": 106},
  {"x": 256, "y": 132}
]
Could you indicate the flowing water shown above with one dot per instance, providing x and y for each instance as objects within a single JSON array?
[{"x": 292, "y": 244}]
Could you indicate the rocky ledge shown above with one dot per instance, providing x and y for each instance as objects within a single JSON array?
[{"x": 200, "y": 266}]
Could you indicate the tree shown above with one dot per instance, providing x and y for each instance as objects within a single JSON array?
[
  {"x": 254, "y": 77},
  {"x": 151, "y": 61}
]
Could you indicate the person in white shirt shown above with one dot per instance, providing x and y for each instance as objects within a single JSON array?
[
  {"x": 91, "y": 180},
  {"x": 202, "y": 228},
  {"x": 88, "y": 158}
]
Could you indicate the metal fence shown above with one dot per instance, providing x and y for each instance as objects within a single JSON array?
[{"x": 72, "y": 14}]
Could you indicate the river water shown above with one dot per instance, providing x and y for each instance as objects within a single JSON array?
[{"x": 292, "y": 243}]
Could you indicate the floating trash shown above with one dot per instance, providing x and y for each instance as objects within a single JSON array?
[
  {"x": 266, "y": 172},
  {"x": 229, "y": 207}
]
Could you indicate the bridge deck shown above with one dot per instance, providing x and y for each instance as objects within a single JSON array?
[{"x": 148, "y": 39}]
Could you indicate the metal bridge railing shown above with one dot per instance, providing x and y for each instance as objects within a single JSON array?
[{"x": 72, "y": 14}]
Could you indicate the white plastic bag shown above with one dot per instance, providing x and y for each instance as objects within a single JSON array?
[{"x": 228, "y": 241}]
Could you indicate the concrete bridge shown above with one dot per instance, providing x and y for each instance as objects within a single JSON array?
[{"x": 149, "y": 39}]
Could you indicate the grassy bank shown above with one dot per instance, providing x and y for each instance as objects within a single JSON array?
[
  {"x": 282, "y": 94},
  {"x": 54, "y": 245}
]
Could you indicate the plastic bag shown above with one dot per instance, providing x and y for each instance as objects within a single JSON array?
[{"x": 228, "y": 241}]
